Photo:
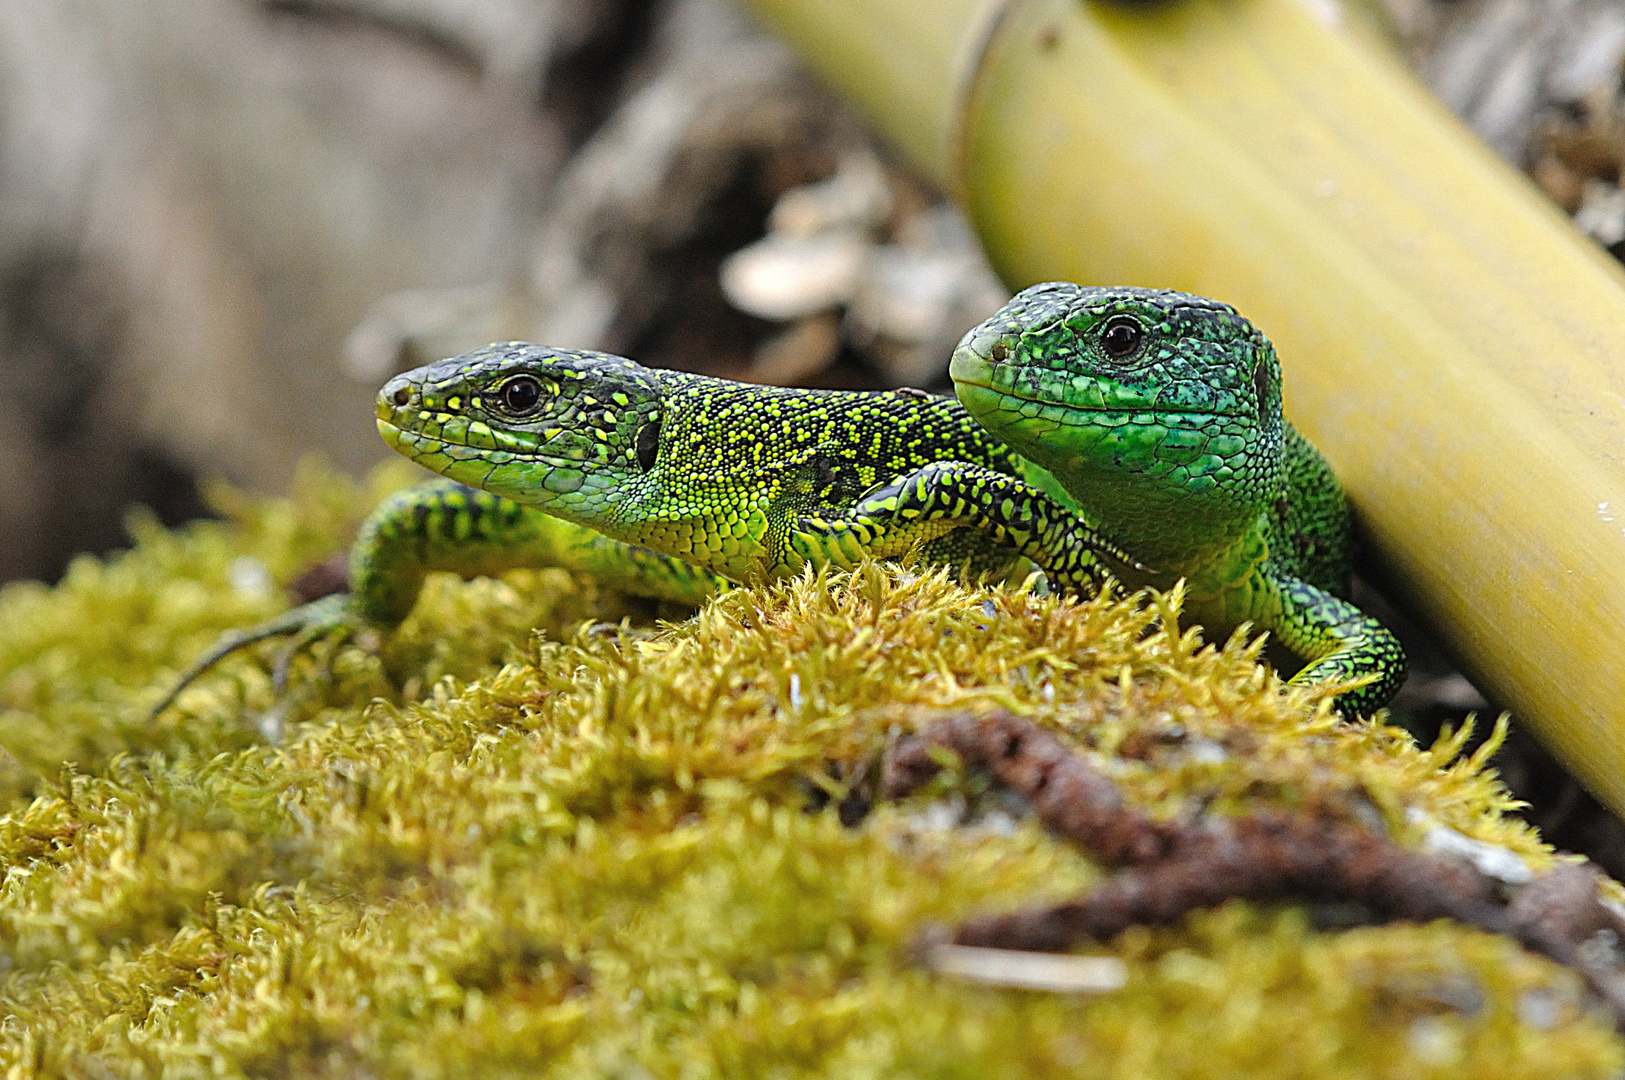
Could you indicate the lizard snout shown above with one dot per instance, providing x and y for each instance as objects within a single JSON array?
[{"x": 398, "y": 393}]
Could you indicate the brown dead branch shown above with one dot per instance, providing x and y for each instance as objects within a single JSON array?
[{"x": 1178, "y": 866}]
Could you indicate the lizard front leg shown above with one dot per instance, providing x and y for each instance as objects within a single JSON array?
[
  {"x": 1339, "y": 641},
  {"x": 948, "y": 495},
  {"x": 446, "y": 526}
]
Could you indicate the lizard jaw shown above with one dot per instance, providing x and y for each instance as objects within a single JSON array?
[{"x": 390, "y": 434}]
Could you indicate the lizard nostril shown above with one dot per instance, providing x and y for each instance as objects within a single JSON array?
[{"x": 403, "y": 395}]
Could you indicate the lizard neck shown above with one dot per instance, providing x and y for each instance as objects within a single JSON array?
[
  {"x": 1157, "y": 489},
  {"x": 1172, "y": 528}
]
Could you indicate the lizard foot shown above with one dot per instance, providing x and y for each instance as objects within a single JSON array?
[
  {"x": 330, "y": 617},
  {"x": 1074, "y": 555}
]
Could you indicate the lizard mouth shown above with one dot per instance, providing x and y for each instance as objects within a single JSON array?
[
  {"x": 419, "y": 446},
  {"x": 1141, "y": 409},
  {"x": 392, "y": 434},
  {"x": 971, "y": 371},
  {"x": 411, "y": 431}
]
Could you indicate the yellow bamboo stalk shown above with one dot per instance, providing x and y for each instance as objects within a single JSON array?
[{"x": 1450, "y": 341}]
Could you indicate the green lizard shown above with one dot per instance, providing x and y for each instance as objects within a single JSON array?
[
  {"x": 662, "y": 483},
  {"x": 752, "y": 483},
  {"x": 1160, "y": 414}
]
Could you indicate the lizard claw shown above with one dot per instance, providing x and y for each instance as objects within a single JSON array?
[
  {"x": 307, "y": 623},
  {"x": 336, "y": 624},
  {"x": 1132, "y": 563}
]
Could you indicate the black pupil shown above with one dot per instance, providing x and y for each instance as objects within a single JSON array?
[
  {"x": 1122, "y": 336},
  {"x": 648, "y": 445},
  {"x": 522, "y": 395}
]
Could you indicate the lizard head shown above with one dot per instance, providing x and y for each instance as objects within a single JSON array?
[
  {"x": 1159, "y": 411},
  {"x": 543, "y": 426}
]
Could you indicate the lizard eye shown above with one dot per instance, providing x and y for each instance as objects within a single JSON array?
[
  {"x": 1261, "y": 387},
  {"x": 648, "y": 445},
  {"x": 1121, "y": 336},
  {"x": 521, "y": 395}
]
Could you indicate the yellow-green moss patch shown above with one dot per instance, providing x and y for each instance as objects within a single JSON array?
[{"x": 588, "y": 851}]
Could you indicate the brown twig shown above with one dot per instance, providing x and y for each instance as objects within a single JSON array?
[
  {"x": 1068, "y": 795},
  {"x": 1175, "y": 867}
]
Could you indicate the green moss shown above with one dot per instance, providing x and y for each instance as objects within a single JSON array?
[{"x": 586, "y": 852}]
